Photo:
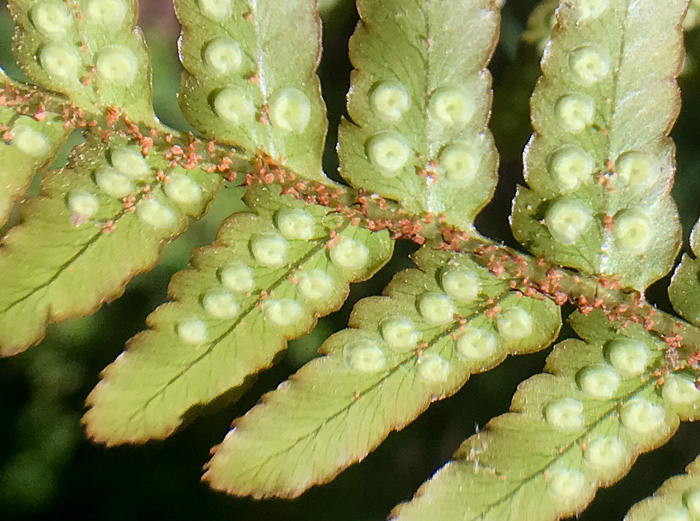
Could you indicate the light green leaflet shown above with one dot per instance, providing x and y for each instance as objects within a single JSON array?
[
  {"x": 572, "y": 430},
  {"x": 684, "y": 290},
  {"x": 678, "y": 499},
  {"x": 264, "y": 281},
  {"x": 96, "y": 224},
  {"x": 543, "y": 19},
  {"x": 420, "y": 101},
  {"x": 418, "y": 344},
  {"x": 88, "y": 50},
  {"x": 28, "y": 145},
  {"x": 540, "y": 23},
  {"x": 600, "y": 165},
  {"x": 692, "y": 17},
  {"x": 251, "y": 77}
]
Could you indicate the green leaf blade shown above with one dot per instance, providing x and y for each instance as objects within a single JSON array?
[
  {"x": 420, "y": 103},
  {"x": 251, "y": 78},
  {"x": 572, "y": 430},
  {"x": 677, "y": 498},
  {"x": 93, "y": 227},
  {"x": 600, "y": 164},
  {"x": 200, "y": 347},
  {"x": 540, "y": 23},
  {"x": 91, "y": 51},
  {"x": 684, "y": 290},
  {"x": 30, "y": 143},
  {"x": 373, "y": 380}
]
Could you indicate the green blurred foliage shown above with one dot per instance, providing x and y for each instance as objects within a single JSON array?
[{"x": 49, "y": 471}]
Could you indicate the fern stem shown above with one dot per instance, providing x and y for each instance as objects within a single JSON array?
[{"x": 530, "y": 275}]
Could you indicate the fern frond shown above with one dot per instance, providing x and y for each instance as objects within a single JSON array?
[
  {"x": 251, "y": 77},
  {"x": 89, "y": 50},
  {"x": 97, "y": 222},
  {"x": 418, "y": 344},
  {"x": 600, "y": 165},
  {"x": 678, "y": 499},
  {"x": 578, "y": 427},
  {"x": 684, "y": 290},
  {"x": 32, "y": 137},
  {"x": 265, "y": 280},
  {"x": 420, "y": 101}
]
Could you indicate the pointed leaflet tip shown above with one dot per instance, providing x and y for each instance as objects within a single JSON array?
[
  {"x": 367, "y": 367},
  {"x": 231, "y": 315}
]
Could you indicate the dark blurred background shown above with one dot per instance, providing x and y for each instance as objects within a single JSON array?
[{"x": 49, "y": 471}]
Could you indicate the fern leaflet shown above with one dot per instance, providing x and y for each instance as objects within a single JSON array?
[
  {"x": 677, "y": 499},
  {"x": 265, "y": 280},
  {"x": 88, "y": 50},
  {"x": 251, "y": 78},
  {"x": 600, "y": 165},
  {"x": 32, "y": 138},
  {"x": 684, "y": 290},
  {"x": 420, "y": 100},
  {"x": 572, "y": 430},
  {"x": 418, "y": 344},
  {"x": 97, "y": 222}
]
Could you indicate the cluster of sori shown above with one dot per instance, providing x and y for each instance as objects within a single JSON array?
[
  {"x": 27, "y": 136},
  {"x": 607, "y": 431},
  {"x": 305, "y": 275},
  {"x": 418, "y": 128},
  {"x": 389, "y": 151},
  {"x": 229, "y": 71},
  {"x": 126, "y": 175},
  {"x": 27, "y": 144},
  {"x": 437, "y": 328},
  {"x": 75, "y": 49},
  {"x": 29, "y": 141},
  {"x": 582, "y": 162}
]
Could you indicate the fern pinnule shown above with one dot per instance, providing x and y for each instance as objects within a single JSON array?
[
  {"x": 90, "y": 51},
  {"x": 251, "y": 79},
  {"x": 419, "y": 102},
  {"x": 677, "y": 499},
  {"x": 108, "y": 198},
  {"x": 418, "y": 344},
  {"x": 265, "y": 280},
  {"x": 684, "y": 290},
  {"x": 577, "y": 427},
  {"x": 600, "y": 165},
  {"x": 35, "y": 138}
]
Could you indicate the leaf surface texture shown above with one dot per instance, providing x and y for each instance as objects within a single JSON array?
[
  {"x": 677, "y": 499},
  {"x": 96, "y": 223},
  {"x": 571, "y": 430},
  {"x": 265, "y": 280},
  {"x": 600, "y": 165},
  {"x": 30, "y": 143},
  {"x": 251, "y": 77},
  {"x": 419, "y": 102},
  {"x": 403, "y": 351},
  {"x": 684, "y": 290},
  {"x": 89, "y": 50}
]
